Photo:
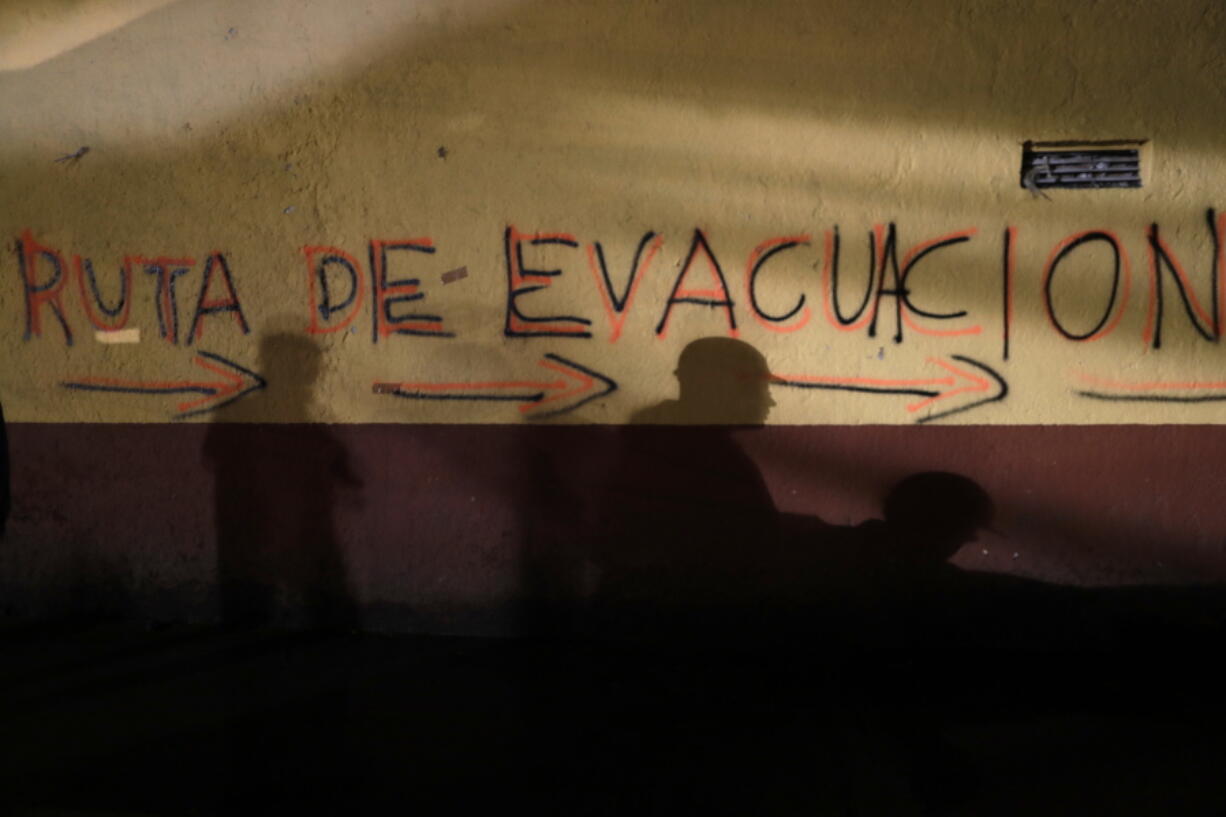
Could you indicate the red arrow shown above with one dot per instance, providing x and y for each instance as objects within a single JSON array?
[
  {"x": 932, "y": 389},
  {"x": 575, "y": 382},
  {"x": 236, "y": 382}
]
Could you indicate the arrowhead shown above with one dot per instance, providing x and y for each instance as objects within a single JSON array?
[
  {"x": 585, "y": 384},
  {"x": 236, "y": 383},
  {"x": 966, "y": 382}
]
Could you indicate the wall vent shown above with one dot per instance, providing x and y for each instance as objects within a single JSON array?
[{"x": 1115, "y": 163}]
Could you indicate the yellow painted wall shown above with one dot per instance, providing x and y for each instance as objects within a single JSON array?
[{"x": 250, "y": 131}]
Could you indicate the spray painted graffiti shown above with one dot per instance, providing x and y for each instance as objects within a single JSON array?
[
  {"x": 44, "y": 280},
  {"x": 573, "y": 386},
  {"x": 959, "y": 380},
  {"x": 336, "y": 291},
  {"x": 890, "y": 303},
  {"x": 232, "y": 383},
  {"x": 382, "y": 287}
]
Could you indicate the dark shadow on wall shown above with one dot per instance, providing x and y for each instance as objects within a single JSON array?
[
  {"x": 786, "y": 61},
  {"x": 684, "y": 541},
  {"x": 687, "y": 541},
  {"x": 870, "y": 625},
  {"x": 676, "y": 509},
  {"x": 757, "y": 692},
  {"x": 277, "y": 486},
  {"x": 280, "y": 566},
  {"x": 683, "y": 522},
  {"x": 684, "y": 513},
  {"x": 689, "y": 519},
  {"x": 739, "y": 608},
  {"x": 554, "y": 498}
]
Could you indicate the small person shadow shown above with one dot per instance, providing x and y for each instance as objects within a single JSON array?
[
  {"x": 684, "y": 509},
  {"x": 276, "y": 490},
  {"x": 283, "y": 584}
]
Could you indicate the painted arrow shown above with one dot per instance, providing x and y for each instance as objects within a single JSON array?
[
  {"x": 1153, "y": 391},
  {"x": 933, "y": 390},
  {"x": 575, "y": 381},
  {"x": 234, "y": 383}
]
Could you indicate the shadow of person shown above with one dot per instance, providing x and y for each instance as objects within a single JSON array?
[
  {"x": 928, "y": 518},
  {"x": 278, "y": 478},
  {"x": 908, "y": 592},
  {"x": 277, "y": 482},
  {"x": 722, "y": 382},
  {"x": 685, "y": 509},
  {"x": 688, "y": 567},
  {"x": 888, "y": 599}
]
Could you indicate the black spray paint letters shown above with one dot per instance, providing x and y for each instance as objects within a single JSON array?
[
  {"x": 889, "y": 288},
  {"x": 45, "y": 274}
]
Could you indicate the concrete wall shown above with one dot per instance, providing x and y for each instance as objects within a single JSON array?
[{"x": 339, "y": 224}]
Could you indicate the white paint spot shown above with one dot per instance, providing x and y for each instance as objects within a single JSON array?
[{"x": 118, "y": 336}]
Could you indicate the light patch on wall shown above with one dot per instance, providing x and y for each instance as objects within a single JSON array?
[
  {"x": 252, "y": 53},
  {"x": 118, "y": 336},
  {"x": 858, "y": 157},
  {"x": 32, "y": 32}
]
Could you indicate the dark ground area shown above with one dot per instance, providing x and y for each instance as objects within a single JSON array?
[{"x": 125, "y": 720}]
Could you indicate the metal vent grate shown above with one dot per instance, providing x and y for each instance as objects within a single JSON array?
[{"x": 1081, "y": 164}]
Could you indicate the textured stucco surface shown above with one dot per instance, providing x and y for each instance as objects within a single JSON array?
[{"x": 255, "y": 130}]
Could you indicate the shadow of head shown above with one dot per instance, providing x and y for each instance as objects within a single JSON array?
[
  {"x": 724, "y": 381},
  {"x": 291, "y": 363},
  {"x": 933, "y": 514},
  {"x": 291, "y": 357}
]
